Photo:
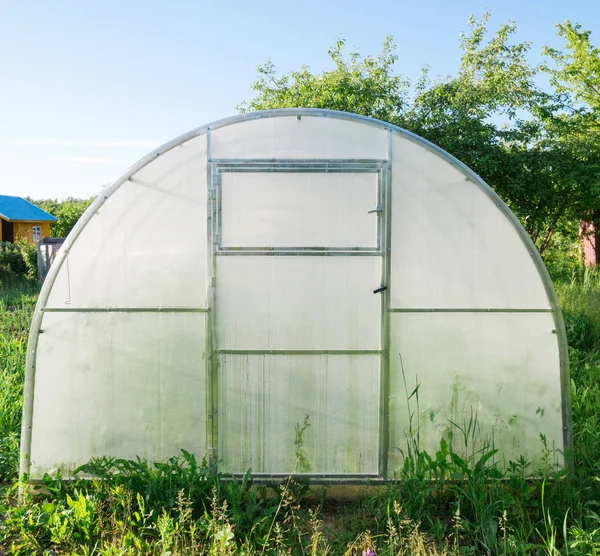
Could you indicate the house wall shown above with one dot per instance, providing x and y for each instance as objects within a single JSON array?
[{"x": 24, "y": 230}]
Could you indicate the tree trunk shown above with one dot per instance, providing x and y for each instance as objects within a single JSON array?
[{"x": 596, "y": 223}]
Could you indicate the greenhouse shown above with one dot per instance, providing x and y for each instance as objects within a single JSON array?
[{"x": 296, "y": 292}]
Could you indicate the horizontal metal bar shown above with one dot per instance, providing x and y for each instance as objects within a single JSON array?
[
  {"x": 126, "y": 309},
  {"x": 469, "y": 310},
  {"x": 302, "y": 169},
  {"x": 266, "y": 478},
  {"x": 297, "y": 161},
  {"x": 299, "y": 351},
  {"x": 319, "y": 476},
  {"x": 367, "y": 481},
  {"x": 299, "y": 166},
  {"x": 333, "y": 249},
  {"x": 227, "y": 251}
]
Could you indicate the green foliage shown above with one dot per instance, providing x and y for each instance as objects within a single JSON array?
[
  {"x": 456, "y": 501},
  {"x": 18, "y": 260},
  {"x": 68, "y": 212},
  {"x": 158, "y": 484},
  {"x": 542, "y": 160},
  {"x": 576, "y": 74},
  {"x": 492, "y": 116},
  {"x": 17, "y": 301},
  {"x": 302, "y": 463},
  {"x": 364, "y": 86},
  {"x": 564, "y": 256}
]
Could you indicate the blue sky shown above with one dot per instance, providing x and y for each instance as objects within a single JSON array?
[{"x": 89, "y": 87}]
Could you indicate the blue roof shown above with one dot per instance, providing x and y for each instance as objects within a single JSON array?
[{"x": 17, "y": 208}]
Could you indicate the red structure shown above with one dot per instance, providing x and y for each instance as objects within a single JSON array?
[{"x": 589, "y": 240}]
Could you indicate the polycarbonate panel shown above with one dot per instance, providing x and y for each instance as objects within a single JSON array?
[
  {"x": 500, "y": 368},
  {"x": 293, "y": 137},
  {"x": 120, "y": 385},
  {"x": 129, "y": 384},
  {"x": 452, "y": 247},
  {"x": 265, "y": 401},
  {"x": 284, "y": 209},
  {"x": 303, "y": 302},
  {"x": 146, "y": 246}
]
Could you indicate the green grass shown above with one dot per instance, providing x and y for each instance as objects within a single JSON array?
[
  {"x": 444, "y": 505},
  {"x": 17, "y": 301}
]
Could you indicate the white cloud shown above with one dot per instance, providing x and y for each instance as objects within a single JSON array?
[{"x": 95, "y": 143}]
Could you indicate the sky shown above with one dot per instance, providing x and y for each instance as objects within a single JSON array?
[{"x": 89, "y": 87}]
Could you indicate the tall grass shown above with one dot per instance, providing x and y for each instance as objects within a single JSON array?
[
  {"x": 445, "y": 503},
  {"x": 17, "y": 301}
]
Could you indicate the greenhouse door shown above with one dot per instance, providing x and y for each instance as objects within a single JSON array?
[{"x": 297, "y": 316}]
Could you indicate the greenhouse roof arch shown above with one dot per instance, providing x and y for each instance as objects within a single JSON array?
[{"x": 269, "y": 289}]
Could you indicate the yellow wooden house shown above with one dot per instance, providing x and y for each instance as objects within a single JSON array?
[{"x": 21, "y": 219}]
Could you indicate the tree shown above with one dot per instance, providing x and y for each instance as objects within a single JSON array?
[
  {"x": 576, "y": 75},
  {"x": 366, "y": 86},
  {"x": 68, "y": 212},
  {"x": 492, "y": 116},
  {"x": 574, "y": 114}
]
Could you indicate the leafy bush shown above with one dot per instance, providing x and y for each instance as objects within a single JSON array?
[
  {"x": 563, "y": 257},
  {"x": 68, "y": 212},
  {"x": 580, "y": 301},
  {"x": 18, "y": 258}
]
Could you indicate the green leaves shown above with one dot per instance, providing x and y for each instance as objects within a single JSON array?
[
  {"x": 533, "y": 146},
  {"x": 576, "y": 69},
  {"x": 363, "y": 85},
  {"x": 68, "y": 212}
]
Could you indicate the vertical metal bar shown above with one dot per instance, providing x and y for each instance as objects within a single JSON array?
[
  {"x": 565, "y": 380},
  {"x": 214, "y": 335},
  {"x": 384, "y": 380},
  {"x": 380, "y": 215},
  {"x": 218, "y": 183},
  {"x": 211, "y": 386}
]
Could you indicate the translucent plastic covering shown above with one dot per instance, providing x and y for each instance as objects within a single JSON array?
[
  {"x": 495, "y": 376},
  {"x": 255, "y": 308},
  {"x": 290, "y": 137},
  {"x": 146, "y": 246},
  {"x": 295, "y": 291},
  {"x": 452, "y": 247},
  {"x": 299, "y": 414},
  {"x": 118, "y": 384},
  {"x": 273, "y": 209}
]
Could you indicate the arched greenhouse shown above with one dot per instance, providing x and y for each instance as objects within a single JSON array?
[{"x": 295, "y": 292}]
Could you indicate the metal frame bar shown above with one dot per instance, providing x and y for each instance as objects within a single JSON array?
[
  {"x": 385, "y": 223},
  {"x": 275, "y": 252},
  {"x": 300, "y": 250},
  {"x": 469, "y": 174},
  {"x": 467, "y": 310},
  {"x": 341, "y": 166},
  {"x": 298, "y": 162},
  {"x": 126, "y": 309},
  {"x": 312, "y": 165},
  {"x": 212, "y": 382},
  {"x": 226, "y": 351},
  {"x": 218, "y": 167},
  {"x": 315, "y": 478},
  {"x": 299, "y": 170}
]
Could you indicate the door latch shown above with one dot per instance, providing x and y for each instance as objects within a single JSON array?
[
  {"x": 377, "y": 210},
  {"x": 380, "y": 289}
]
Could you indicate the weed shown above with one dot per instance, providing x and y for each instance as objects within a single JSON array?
[{"x": 454, "y": 500}]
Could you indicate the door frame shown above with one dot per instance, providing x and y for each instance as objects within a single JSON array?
[{"x": 382, "y": 167}]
